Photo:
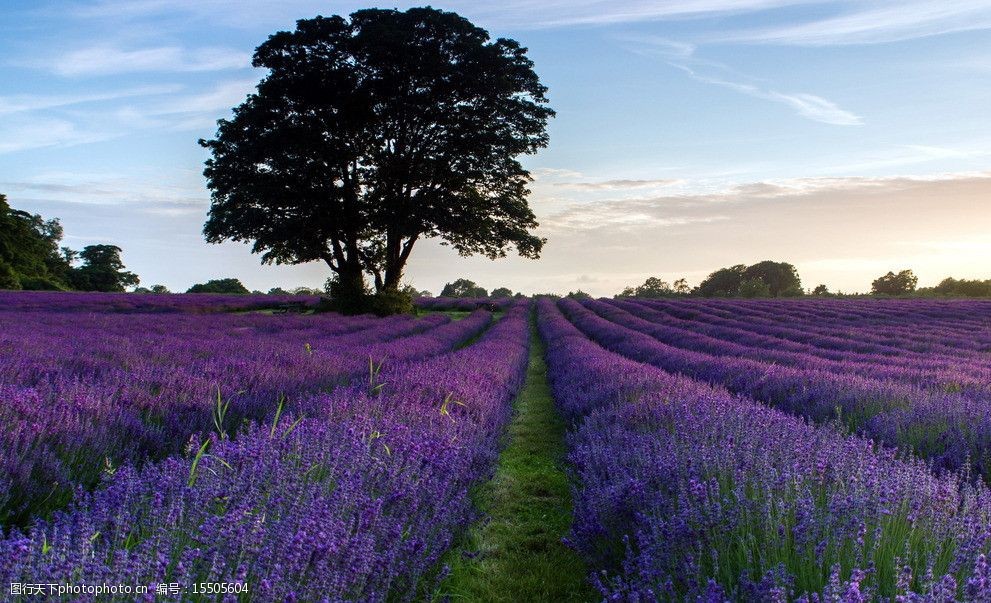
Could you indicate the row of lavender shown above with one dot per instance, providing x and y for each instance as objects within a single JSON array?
[
  {"x": 686, "y": 492},
  {"x": 357, "y": 499},
  {"x": 207, "y": 303},
  {"x": 953, "y": 429},
  {"x": 84, "y": 393},
  {"x": 465, "y": 304},
  {"x": 794, "y": 341},
  {"x": 887, "y": 327}
]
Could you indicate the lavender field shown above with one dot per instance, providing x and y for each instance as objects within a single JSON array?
[{"x": 716, "y": 450}]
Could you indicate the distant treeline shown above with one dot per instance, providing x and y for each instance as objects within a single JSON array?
[
  {"x": 781, "y": 279},
  {"x": 32, "y": 258}
]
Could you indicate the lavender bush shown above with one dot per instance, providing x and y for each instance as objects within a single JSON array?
[
  {"x": 686, "y": 492},
  {"x": 953, "y": 429},
  {"x": 355, "y": 500},
  {"x": 83, "y": 393}
]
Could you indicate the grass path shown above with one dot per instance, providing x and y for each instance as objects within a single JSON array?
[{"x": 517, "y": 554}]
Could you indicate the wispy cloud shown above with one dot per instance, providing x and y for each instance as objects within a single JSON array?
[
  {"x": 620, "y": 184},
  {"x": 807, "y": 105},
  {"x": 682, "y": 55},
  {"x": 107, "y": 59},
  {"x": 170, "y": 197},
  {"x": 888, "y": 21},
  {"x": 36, "y": 133},
  {"x": 515, "y": 13},
  {"x": 32, "y": 102}
]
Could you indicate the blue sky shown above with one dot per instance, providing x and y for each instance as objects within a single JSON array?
[{"x": 850, "y": 138}]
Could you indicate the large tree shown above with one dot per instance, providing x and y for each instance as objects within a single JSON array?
[
  {"x": 895, "y": 284},
  {"x": 780, "y": 278},
  {"x": 724, "y": 282},
  {"x": 463, "y": 287},
  {"x": 370, "y": 134},
  {"x": 102, "y": 270},
  {"x": 30, "y": 257},
  {"x": 230, "y": 286},
  {"x": 763, "y": 279}
]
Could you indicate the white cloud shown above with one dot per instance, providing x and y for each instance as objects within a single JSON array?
[
  {"x": 807, "y": 105},
  {"x": 619, "y": 184},
  {"x": 33, "y": 102},
  {"x": 106, "y": 59},
  {"x": 888, "y": 21},
  {"x": 35, "y": 133}
]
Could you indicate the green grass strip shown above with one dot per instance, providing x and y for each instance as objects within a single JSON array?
[{"x": 517, "y": 554}]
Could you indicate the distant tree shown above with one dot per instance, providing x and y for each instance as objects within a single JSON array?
[
  {"x": 8, "y": 278},
  {"x": 781, "y": 278},
  {"x": 502, "y": 292},
  {"x": 579, "y": 294},
  {"x": 368, "y": 135},
  {"x": 963, "y": 287},
  {"x": 30, "y": 256},
  {"x": 102, "y": 270},
  {"x": 159, "y": 289},
  {"x": 141, "y": 290},
  {"x": 220, "y": 285},
  {"x": 463, "y": 288},
  {"x": 754, "y": 287},
  {"x": 278, "y": 291},
  {"x": 724, "y": 282},
  {"x": 895, "y": 284},
  {"x": 820, "y": 290},
  {"x": 424, "y": 293},
  {"x": 306, "y": 291},
  {"x": 654, "y": 287}
]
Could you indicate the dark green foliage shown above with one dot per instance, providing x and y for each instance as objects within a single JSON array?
[
  {"x": 368, "y": 135},
  {"x": 655, "y": 287},
  {"x": 780, "y": 278},
  {"x": 724, "y": 282},
  {"x": 41, "y": 283},
  {"x": 963, "y": 287},
  {"x": 463, "y": 288},
  {"x": 763, "y": 279},
  {"x": 102, "y": 270},
  {"x": 387, "y": 302},
  {"x": 8, "y": 278},
  {"x": 159, "y": 289},
  {"x": 895, "y": 284},
  {"x": 579, "y": 294},
  {"x": 502, "y": 292},
  {"x": 29, "y": 250},
  {"x": 220, "y": 285},
  {"x": 754, "y": 287},
  {"x": 821, "y": 290}
]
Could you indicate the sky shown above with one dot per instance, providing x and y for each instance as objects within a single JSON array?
[{"x": 849, "y": 138}]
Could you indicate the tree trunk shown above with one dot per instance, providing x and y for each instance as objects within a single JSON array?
[
  {"x": 396, "y": 254},
  {"x": 348, "y": 293}
]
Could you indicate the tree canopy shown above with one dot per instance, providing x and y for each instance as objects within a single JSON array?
[
  {"x": 655, "y": 287},
  {"x": 763, "y": 279},
  {"x": 220, "y": 285},
  {"x": 30, "y": 257},
  {"x": 502, "y": 292},
  {"x": 102, "y": 270},
  {"x": 963, "y": 287},
  {"x": 463, "y": 288},
  {"x": 370, "y": 134},
  {"x": 895, "y": 284}
]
